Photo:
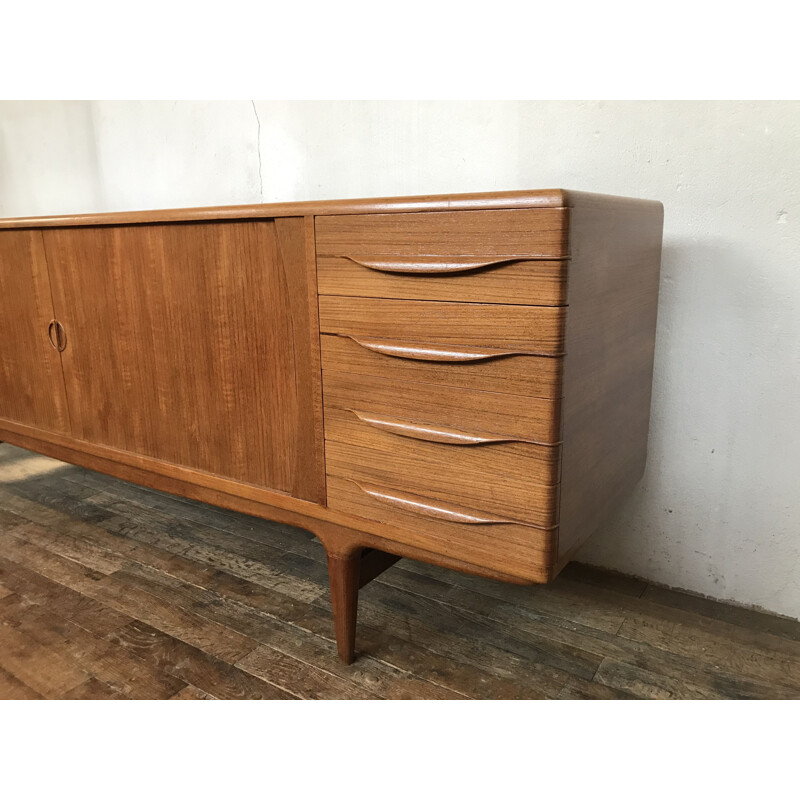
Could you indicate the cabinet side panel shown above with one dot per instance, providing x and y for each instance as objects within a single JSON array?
[
  {"x": 610, "y": 338},
  {"x": 31, "y": 381},
  {"x": 188, "y": 343}
]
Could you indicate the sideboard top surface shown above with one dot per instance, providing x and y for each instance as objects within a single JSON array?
[{"x": 542, "y": 198}]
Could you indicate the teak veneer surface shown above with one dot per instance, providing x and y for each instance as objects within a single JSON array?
[
  {"x": 31, "y": 383},
  {"x": 531, "y": 419},
  {"x": 501, "y": 280},
  {"x": 460, "y": 379},
  {"x": 483, "y": 235},
  {"x": 527, "y": 329},
  {"x": 524, "y": 553},
  {"x": 485, "y": 369},
  {"x": 192, "y": 344},
  {"x": 495, "y": 477},
  {"x": 608, "y": 376},
  {"x": 545, "y": 198}
]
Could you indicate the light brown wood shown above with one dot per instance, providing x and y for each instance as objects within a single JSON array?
[
  {"x": 192, "y": 344},
  {"x": 535, "y": 376},
  {"x": 529, "y": 329},
  {"x": 608, "y": 372},
  {"x": 509, "y": 478},
  {"x": 522, "y": 551},
  {"x": 417, "y": 504},
  {"x": 530, "y": 419},
  {"x": 418, "y": 351},
  {"x": 340, "y": 532},
  {"x": 421, "y": 431},
  {"x": 344, "y": 580},
  {"x": 544, "y": 198},
  {"x": 31, "y": 383},
  {"x": 506, "y": 281},
  {"x": 483, "y": 235},
  {"x": 445, "y": 335}
]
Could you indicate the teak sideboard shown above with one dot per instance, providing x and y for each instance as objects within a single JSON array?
[{"x": 463, "y": 380}]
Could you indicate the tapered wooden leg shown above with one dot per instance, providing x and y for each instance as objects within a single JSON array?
[{"x": 344, "y": 576}]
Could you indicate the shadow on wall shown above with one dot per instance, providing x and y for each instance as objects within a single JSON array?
[{"x": 719, "y": 496}]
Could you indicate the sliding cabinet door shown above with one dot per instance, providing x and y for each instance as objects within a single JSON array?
[
  {"x": 31, "y": 383},
  {"x": 195, "y": 344}
]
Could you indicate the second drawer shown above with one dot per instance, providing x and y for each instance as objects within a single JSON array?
[{"x": 485, "y": 369}]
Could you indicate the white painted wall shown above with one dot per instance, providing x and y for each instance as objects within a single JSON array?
[{"x": 717, "y": 512}]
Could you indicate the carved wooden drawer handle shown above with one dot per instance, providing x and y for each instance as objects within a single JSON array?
[
  {"x": 427, "y": 508},
  {"x": 429, "y": 265},
  {"x": 428, "y": 433},
  {"x": 426, "y": 352}
]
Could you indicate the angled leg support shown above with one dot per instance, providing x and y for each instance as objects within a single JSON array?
[{"x": 347, "y": 574}]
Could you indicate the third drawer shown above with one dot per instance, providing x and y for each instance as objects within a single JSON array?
[{"x": 529, "y": 419}]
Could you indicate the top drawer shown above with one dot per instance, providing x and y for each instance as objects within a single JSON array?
[{"x": 511, "y": 256}]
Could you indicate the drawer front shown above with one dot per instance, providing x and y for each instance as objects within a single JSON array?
[
  {"x": 518, "y": 550},
  {"x": 518, "y": 329},
  {"x": 466, "y": 367},
  {"x": 467, "y": 280},
  {"x": 498, "y": 234},
  {"x": 516, "y": 480},
  {"x": 528, "y": 419}
]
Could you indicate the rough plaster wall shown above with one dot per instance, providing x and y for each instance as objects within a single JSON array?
[{"x": 717, "y": 511}]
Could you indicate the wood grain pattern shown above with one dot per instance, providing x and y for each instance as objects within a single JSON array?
[
  {"x": 491, "y": 235},
  {"x": 193, "y": 361},
  {"x": 31, "y": 383},
  {"x": 518, "y": 550},
  {"x": 530, "y": 419},
  {"x": 192, "y": 344},
  {"x": 510, "y": 282},
  {"x": 534, "y": 376},
  {"x": 336, "y": 529},
  {"x": 345, "y": 579},
  {"x": 514, "y": 479},
  {"x": 45, "y": 670},
  {"x": 416, "y": 351},
  {"x": 608, "y": 372},
  {"x": 428, "y": 433},
  {"x": 531, "y": 329},
  {"x": 425, "y": 507},
  {"x": 542, "y": 198}
]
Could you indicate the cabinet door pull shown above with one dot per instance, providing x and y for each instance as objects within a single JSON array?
[
  {"x": 429, "y": 265},
  {"x": 427, "y": 352},
  {"x": 57, "y": 335}
]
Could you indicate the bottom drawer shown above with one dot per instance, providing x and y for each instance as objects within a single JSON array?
[
  {"x": 513, "y": 479},
  {"x": 475, "y": 537}
]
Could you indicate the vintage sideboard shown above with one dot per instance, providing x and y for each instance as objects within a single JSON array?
[{"x": 462, "y": 379}]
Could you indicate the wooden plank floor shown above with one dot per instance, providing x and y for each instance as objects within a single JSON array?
[{"x": 108, "y": 590}]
